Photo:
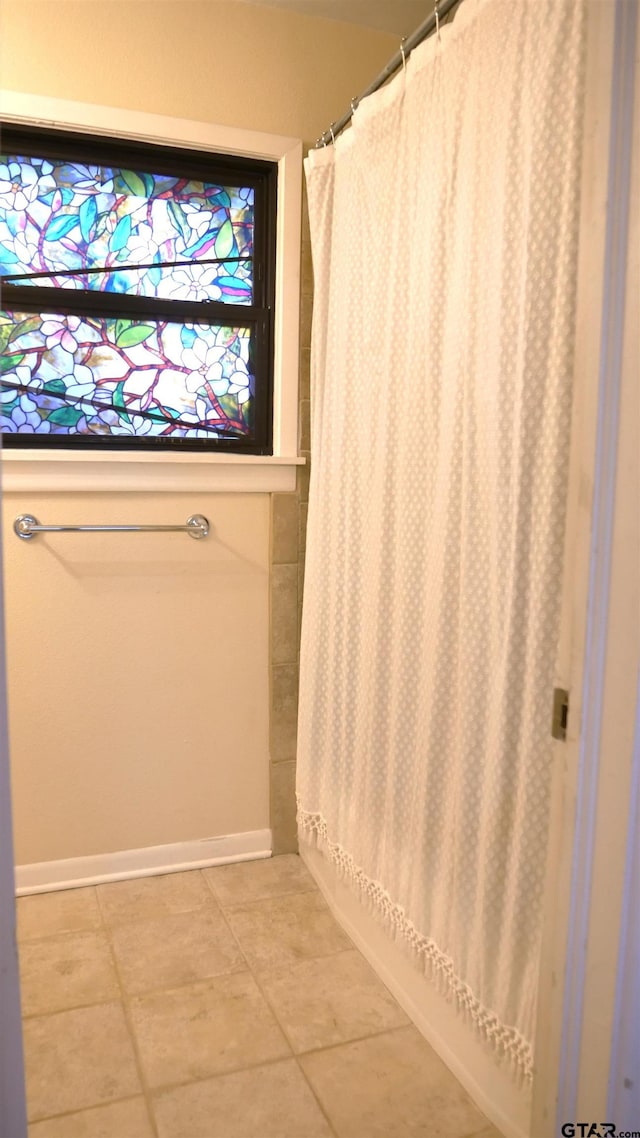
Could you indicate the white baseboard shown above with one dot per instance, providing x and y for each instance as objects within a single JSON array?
[
  {"x": 489, "y": 1086},
  {"x": 74, "y": 872}
]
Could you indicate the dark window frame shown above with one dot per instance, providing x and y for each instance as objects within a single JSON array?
[{"x": 176, "y": 161}]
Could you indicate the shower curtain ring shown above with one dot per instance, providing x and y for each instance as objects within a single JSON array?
[
  {"x": 333, "y": 137},
  {"x": 402, "y": 53},
  {"x": 436, "y": 12}
]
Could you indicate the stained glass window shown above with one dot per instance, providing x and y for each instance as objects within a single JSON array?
[
  {"x": 69, "y": 375},
  {"x": 137, "y": 295}
]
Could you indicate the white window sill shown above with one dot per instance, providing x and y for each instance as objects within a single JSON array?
[{"x": 73, "y": 472}]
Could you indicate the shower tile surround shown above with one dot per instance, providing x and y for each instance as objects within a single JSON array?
[
  {"x": 259, "y": 1018},
  {"x": 288, "y": 536}
]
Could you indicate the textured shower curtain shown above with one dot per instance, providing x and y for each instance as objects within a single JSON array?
[{"x": 444, "y": 233}]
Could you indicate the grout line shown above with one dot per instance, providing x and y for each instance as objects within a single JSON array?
[
  {"x": 170, "y": 1087},
  {"x": 105, "y": 923},
  {"x": 82, "y": 1109},
  {"x": 264, "y": 900},
  {"x": 204, "y": 906},
  {"x": 29, "y": 1016},
  {"x": 203, "y": 982},
  {"x": 127, "y": 1017},
  {"x": 209, "y": 887},
  {"x": 142, "y": 995},
  {"x": 487, "y": 1131},
  {"x": 279, "y": 1024},
  {"x": 147, "y": 993},
  {"x": 272, "y": 896},
  {"x": 284, "y": 1031},
  {"x": 129, "y": 997},
  {"x": 167, "y": 1088},
  {"x": 317, "y": 1098},
  {"x": 23, "y": 940},
  {"x": 361, "y": 1039},
  {"x": 234, "y": 937},
  {"x": 259, "y": 976},
  {"x": 96, "y": 930},
  {"x": 292, "y": 963},
  {"x": 353, "y": 1039},
  {"x": 115, "y": 926}
]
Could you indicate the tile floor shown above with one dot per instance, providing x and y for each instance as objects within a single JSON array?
[{"x": 222, "y": 1003}]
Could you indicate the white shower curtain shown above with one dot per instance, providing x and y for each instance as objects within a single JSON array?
[{"x": 444, "y": 234}]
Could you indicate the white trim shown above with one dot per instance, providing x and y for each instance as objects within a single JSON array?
[
  {"x": 624, "y": 1092},
  {"x": 43, "y": 111},
  {"x": 570, "y": 665},
  {"x": 606, "y": 460},
  {"x": 13, "y": 1111},
  {"x": 75, "y": 872},
  {"x": 287, "y": 152},
  {"x": 492, "y": 1089},
  {"x": 73, "y": 471}
]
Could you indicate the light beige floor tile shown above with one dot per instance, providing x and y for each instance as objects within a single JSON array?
[
  {"x": 330, "y": 1000},
  {"x": 77, "y": 1059},
  {"x": 391, "y": 1086},
  {"x": 205, "y": 1029},
  {"x": 265, "y": 1102},
  {"x": 65, "y": 972},
  {"x": 489, "y": 1132},
  {"x": 284, "y": 930},
  {"x": 128, "y": 1119},
  {"x": 65, "y": 911},
  {"x": 170, "y": 951},
  {"x": 256, "y": 880},
  {"x": 144, "y": 898}
]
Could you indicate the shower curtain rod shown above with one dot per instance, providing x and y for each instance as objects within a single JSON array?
[{"x": 440, "y": 12}]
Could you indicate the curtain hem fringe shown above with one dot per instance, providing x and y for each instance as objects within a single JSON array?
[{"x": 507, "y": 1044}]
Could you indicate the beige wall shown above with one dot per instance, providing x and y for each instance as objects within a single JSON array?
[
  {"x": 223, "y": 61},
  {"x": 137, "y": 673},
  {"x": 143, "y": 674}
]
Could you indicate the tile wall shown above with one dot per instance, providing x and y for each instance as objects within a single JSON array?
[{"x": 288, "y": 535}]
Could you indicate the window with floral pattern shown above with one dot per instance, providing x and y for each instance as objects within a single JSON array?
[{"x": 136, "y": 305}]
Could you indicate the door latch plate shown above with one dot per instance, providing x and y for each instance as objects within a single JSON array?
[{"x": 560, "y": 713}]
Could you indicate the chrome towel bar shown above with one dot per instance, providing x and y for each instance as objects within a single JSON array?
[{"x": 26, "y": 526}]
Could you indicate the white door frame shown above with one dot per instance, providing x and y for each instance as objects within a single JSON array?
[
  {"x": 13, "y": 1118},
  {"x": 581, "y": 1041}
]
